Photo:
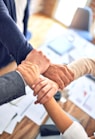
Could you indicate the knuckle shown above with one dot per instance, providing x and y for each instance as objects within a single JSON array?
[
  {"x": 43, "y": 90},
  {"x": 41, "y": 84},
  {"x": 48, "y": 96}
]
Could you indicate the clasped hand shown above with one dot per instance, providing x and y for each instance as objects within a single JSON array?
[
  {"x": 56, "y": 76},
  {"x": 44, "y": 88}
]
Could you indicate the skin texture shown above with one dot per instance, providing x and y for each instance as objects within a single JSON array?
[
  {"x": 45, "y": 85},
  {"x": 29, "y": 71},
  {"x": 38, "y": 58},
  {"x": 62, "y": 123},
  {"x": 92, "y": 137},
  {"x": 63, "y": 75},
  {"x": 61, "y": 117},
  {"x": 59, "y": 74},
  {"x": 44, "y": 88},
  {"x": 42, "y": 85}
]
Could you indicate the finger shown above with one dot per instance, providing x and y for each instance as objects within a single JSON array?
[
  {"x": 36, "y": 82},
  {"x": 92, "y": 137},
  {"x": 71, "y": 73},
  {"x": 47, "y": 96},
  {"x": 50, "y": 92},
  {"x": 59, "y": 81},
  {"x": 40, "y": 87},
  {"x": 44, "y": 91},
  {"x": 66, "y": 77}
]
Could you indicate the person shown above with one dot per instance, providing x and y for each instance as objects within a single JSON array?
[
  {"x": 78, "y": 67},
  {"x": 69, "y": 129},
  {"x": 22, "y": 14},
  {"x": 15, "y": 46},
  {"x": 29, "y": 73},
  {"x": 12, "y": 84}
]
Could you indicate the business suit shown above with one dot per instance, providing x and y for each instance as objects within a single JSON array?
[
  {"x": 11, "y": 87},
  {"x": 13, "y": 44},
  {"x": 10, "y": 4}
]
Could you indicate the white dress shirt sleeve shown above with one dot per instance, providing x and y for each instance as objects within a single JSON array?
[{"x": 75, "y": 131}]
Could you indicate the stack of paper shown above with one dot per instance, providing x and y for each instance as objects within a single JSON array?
[
  {"x": 82, "y": 93},
  {"x": 13, "y": 112}
]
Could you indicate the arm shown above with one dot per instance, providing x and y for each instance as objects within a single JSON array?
[
  {"x": 66, "y": 74},
  {"x": 12, "y": 85},
  {"x": 78, "y": 68},
  {"x": 11, "y": 37},
  {"x": 59, "y": 74},
  {"x": 58, "y": 115},
  {"x": 82, "y": 66},
  {"x": 70, "y": 129},
  {"x": 16, "y": 43},
  {"x": 43, "y": 86}
]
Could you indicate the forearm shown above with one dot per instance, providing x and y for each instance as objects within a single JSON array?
[
  {"x": 82, "y": 66},
  {"x": 60, "y": 118}
]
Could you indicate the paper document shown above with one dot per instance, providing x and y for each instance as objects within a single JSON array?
[
  {"x": 7, "y": 112},
  {"x": 82, "y": 93},
  {"x": 13, "y": 112}
]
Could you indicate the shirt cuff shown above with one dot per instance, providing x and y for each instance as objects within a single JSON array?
[{"x": 75, "y": 131}]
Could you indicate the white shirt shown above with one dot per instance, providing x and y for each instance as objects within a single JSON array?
[
  {"x": 20, "y": 8},
  {"x": 75, "y": 131}
]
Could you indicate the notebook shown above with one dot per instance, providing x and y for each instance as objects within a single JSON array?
[{"x": 60, "y": 45}]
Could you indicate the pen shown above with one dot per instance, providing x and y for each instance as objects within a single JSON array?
[{"x": 14, "y": 116}]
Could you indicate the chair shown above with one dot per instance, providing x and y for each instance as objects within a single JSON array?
[{"x": 81, "y": 22}]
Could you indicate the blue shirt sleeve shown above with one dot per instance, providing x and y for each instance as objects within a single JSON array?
[{"x": 11, "y": 37}]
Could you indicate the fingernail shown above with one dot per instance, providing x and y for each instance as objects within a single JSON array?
[
  {"x": 33, "y": 86},
  {"x": 36, "y": 102}
]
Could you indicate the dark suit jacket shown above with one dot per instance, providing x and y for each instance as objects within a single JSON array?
[
  {"x": 13, "y": 44},
  {"x": 11, "y": 87},
  {"x": 10, "y": 4}
]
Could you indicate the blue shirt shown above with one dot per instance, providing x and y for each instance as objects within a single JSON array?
[{"x": 13, "y": 44}]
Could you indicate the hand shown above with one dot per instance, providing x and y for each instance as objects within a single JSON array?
[
  {"x": 60, "y": 74},
  {"x": 92, "y": 137},
  {"x": 45, "y": 89},
  {"x": 38, "y": 58},
  {"x": 30, "y": 72}
]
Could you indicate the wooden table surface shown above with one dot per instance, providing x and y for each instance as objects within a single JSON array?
[
  {"x": 87, "y": 121},
  {"x": 27, "y": 129}
]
